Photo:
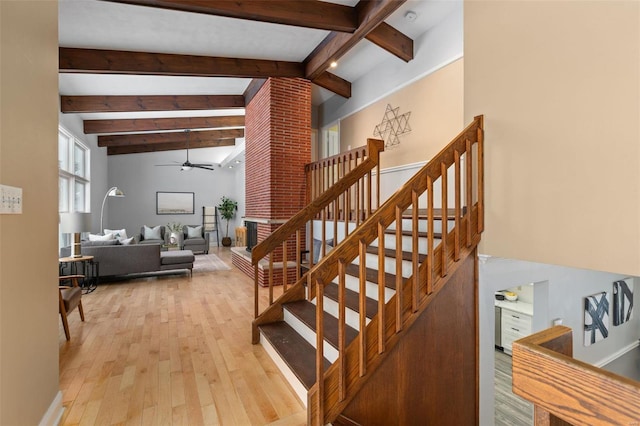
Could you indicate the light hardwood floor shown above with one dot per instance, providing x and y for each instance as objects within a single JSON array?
[{"x": 172, "y": 350}]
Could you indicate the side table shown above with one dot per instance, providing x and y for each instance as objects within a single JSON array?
[{"x": 90, "y": 270}]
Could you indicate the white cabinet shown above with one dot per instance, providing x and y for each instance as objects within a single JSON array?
[{"x": 515, "y": 325}]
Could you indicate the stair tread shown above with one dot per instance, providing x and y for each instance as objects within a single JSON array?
[
  {"x": 306, "y": 312},
  {"x": 372, "y": 275},
  {"x": 437, "y": 213},
  {"x": 299, "y": 355},
  {"x": 351, "y": 299},
  {"x": 406, "y": 255},
  {"x": 437, "y": 235}
]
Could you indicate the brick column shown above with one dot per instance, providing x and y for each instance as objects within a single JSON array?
[{"x": 277, "y": 146}]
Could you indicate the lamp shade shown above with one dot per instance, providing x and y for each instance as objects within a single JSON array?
[
  {"x": 114, "y": 191},
  {"x": 72, "y": 223}
]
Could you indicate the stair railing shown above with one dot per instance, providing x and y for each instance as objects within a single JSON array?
[
  {"x": 340, "y": 382},
  {"x": 336, "y": 185},
  {"x": 566, "y": 391}
]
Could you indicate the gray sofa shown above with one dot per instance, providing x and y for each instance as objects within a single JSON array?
[{"x": 116, "y": 260}]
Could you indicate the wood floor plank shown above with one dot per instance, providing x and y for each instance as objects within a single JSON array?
[{"x": 172, "y": 350}]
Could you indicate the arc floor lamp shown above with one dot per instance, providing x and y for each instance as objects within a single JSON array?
[{"x": 112, "y": 192}]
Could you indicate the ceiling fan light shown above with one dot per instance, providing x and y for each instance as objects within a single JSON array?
[{"x": 185, "y": 168}]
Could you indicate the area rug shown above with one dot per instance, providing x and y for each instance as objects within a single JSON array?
[{"x": 209, "y": 263}]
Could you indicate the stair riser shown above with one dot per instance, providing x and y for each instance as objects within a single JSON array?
[
  {"x": 289, "y": 375},
  {"x": 351, "y": 317},
  {"x": 309, "y": 335},
  {"x": 353, "y": 283},
  {"x": 407, "y": 243},
  {"x": 423, "y": 225},
  {"x": 406, "y": 226},
  {"x": 389, "y": 264}
]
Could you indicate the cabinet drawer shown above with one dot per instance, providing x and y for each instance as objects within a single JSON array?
[{"x": 516, "y": 320}]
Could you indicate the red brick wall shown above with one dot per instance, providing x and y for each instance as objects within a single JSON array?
[{"x": 278, "y": 145}]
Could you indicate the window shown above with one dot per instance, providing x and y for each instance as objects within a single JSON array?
[{"x": 73, "y": 176}]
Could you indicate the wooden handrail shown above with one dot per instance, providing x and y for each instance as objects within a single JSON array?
[
  {"x": 566, "y": 391},
  {"x": 337, "y": 385},
  {"x": 281, "y": 234},
  {"x": 294, "y": 234}
]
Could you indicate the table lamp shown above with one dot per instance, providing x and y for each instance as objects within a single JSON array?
[{"x": 75, "y": 223}]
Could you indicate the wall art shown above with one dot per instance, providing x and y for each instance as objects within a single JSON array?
[
  {"x": 622, "y": 301},
  {"x": 596, "y": 318},
  {"x": 175, "y": 202},
  {"x": 392, "y": 126}
]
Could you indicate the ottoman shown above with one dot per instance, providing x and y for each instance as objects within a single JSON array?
[{"x": 177, "y": 259}]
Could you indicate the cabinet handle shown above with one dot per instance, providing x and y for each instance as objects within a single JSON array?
[
  {"x": 515, "y": 329},
  {"x": 515, "y": 316}
]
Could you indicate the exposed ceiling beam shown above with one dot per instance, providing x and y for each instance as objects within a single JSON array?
[
  {"x": 92, "y": 61},
  {"x": 392, "y": 40},
  {"x": 135, "y": 149},
  {"x": 310, "y": 14},
  {"x": 335, "y": 45},
  {"x": 151, "y": 124},
  {"x": 194, "y": 138},
  {"x": 334, "y": 83},
  {"x": 78, "y": 104},
  {"x": 252, "y": 89}
]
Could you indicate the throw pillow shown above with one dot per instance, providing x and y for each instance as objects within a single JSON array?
[
  {"x": 96, "y": 237},
  {"x": 127, "y": 241},
  {"x": 317, "y": 249},
  {"x": 194, "y": 232},
  {"x": 120, "y": 234},
  {"x": 152, "y": 233}
]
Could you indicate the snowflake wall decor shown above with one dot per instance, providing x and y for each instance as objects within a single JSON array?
[{"x": 392, "y": 126}]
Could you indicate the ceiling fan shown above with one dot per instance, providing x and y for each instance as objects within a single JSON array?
[{"x": 187, "y": 165}]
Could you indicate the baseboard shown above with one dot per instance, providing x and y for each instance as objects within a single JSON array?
[
  {"x": 617, "y": 354},
  {"x": 54, "y": 413}
]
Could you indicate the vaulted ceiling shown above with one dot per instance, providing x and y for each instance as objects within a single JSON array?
[{"x": 140, "y": 72}]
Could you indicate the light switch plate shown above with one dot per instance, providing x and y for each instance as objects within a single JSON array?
[{"x": 10, "y": 200}]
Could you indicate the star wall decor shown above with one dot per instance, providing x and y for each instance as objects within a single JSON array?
[{"x": 392, "y": 126}]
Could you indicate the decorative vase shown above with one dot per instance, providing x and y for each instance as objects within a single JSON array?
[
  {"x": 226, "y": 241},
  {"x": 174, "y": 238}
]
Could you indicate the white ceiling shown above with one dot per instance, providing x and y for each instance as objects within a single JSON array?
[{"x": 105, "y": 25}]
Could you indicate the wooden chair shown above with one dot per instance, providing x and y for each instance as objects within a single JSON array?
[{"x": 70, "y": 298}]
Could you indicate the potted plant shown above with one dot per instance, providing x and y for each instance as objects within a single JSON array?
[
  {"x": 175, "y": 229},
  {"x": 227, "y": 209}
]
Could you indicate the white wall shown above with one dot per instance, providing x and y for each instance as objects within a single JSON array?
[
  {"x": 139, "y": 177},
  {"x": 566, "y": 289},
  {"x": 433, "y": 50}
]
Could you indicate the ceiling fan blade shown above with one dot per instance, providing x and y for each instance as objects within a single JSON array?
[
  {"x": 174, "y": 165},
  {"x": 202, "y": 166}
]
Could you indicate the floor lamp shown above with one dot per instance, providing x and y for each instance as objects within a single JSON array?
[
  {"x": 75, "y": 223},
  {"x": 112, "y": 192}
]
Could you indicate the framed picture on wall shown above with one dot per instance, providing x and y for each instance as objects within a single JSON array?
[
  {"x": 596, "y": 318},
  {"x": 622, "y": 301},
  {"x": 175, "y": 202}
]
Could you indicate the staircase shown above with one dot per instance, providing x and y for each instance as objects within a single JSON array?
[{"x": 372, "y": 299}]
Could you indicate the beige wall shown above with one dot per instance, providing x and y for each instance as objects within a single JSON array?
[
  {"x": 435, "y": 103},
  {"x": 28, "y": 242},
  {"x": 559, "y": 84}
]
